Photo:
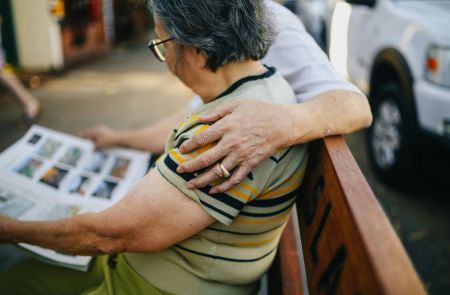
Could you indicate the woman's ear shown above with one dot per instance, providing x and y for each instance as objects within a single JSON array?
[
  {"x": 202, "y": 58},
  {"x": 195, "y": 57}
]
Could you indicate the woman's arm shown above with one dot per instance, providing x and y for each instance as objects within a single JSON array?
[
  {"x": 152, "y": 138},
  {"x": 246, "y": 137},
  {"x": 153, "y": 216}
]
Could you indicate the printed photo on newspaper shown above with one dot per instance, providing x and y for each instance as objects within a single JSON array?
[{"x": 48, "y": 175}]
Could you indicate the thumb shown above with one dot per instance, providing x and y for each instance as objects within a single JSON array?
[{"x": 220, "y": 111}]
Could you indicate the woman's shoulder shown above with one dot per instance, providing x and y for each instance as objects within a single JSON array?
[{"x": 272, "y": 87}]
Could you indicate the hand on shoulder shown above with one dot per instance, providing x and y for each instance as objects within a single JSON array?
[{"x": 247, "y": 132}]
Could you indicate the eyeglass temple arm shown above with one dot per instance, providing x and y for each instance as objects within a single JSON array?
[{"x": 163, "y": 41}]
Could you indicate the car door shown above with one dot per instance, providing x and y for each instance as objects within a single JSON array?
[{"x": 363, "y": 31}]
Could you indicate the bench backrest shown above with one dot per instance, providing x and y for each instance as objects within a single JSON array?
[{"x": 349, "y": 245}]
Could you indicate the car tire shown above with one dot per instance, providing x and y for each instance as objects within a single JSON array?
[{"x": 390, "y": 138}]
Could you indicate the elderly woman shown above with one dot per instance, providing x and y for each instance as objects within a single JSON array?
[{"x": 173, "y": 239}]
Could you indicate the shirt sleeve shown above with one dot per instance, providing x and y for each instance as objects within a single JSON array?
[
  {"x": 300, "y": 60},
  {"x": 224, "y": 207}
]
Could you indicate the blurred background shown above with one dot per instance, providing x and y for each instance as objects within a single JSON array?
[{"x": 87, "y": 63}]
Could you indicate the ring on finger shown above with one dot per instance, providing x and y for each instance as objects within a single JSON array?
[{"x": 225, "y": 172}]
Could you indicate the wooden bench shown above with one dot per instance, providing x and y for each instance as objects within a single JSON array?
[{"x": 348, "y": 245}]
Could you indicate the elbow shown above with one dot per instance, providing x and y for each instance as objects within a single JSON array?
[
  {"x": 115, "y": 237},
  {"x": 362, "y": 111},
  {"x": 111, "y": 246},
  {"x": 111, "y": 239},
  {"x": 367, "y": 118},
  {"x": 119, "y": 239}
]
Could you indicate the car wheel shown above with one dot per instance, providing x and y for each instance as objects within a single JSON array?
[{"x": 390, "y": 136}]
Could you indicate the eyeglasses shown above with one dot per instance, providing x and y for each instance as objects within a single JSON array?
[{"x": 158, "y": 49}]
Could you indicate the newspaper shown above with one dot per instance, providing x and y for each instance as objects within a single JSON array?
[{"x": 49, "y": 175}]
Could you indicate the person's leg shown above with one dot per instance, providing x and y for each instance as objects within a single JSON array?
[
  {"x": 29, "y": 102},
  {"x": 121, "y": 279},
  {"x": 34, "y": 277}
]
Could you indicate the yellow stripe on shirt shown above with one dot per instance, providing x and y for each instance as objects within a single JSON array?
[
  {"x": 248, "y": 187},
  {"x": 276, "y": 193},
  {"x": 201, "y": 129},
  {"x": 245, "y": 220},
  {"x": 254, "y": 244},
  {"x": 235, "y": 193},
  {"x": 177, "y": 156},
  {"x": 190, "y": 120},
  {"x": 295, "y": 175}
]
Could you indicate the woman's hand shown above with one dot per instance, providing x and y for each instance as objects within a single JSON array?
[
  {"x": 248, "y": 132},
  {"x": 102, "y": 136}
]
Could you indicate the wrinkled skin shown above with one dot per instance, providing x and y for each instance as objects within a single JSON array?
[{"x": 245, "y": 139}]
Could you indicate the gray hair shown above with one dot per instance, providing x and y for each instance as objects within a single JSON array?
[{"x": 225, "y": 30}]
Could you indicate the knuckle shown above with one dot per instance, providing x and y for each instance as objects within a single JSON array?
[
  {"x": 229, "y": 146},
  {"x": 217, "y": 172},
  {"x": 235, "y": 180},
  {"x": 203, "y": 181},
  {"x": 234, "y": 143},
  {"x": 252, "y": 163},
  {"x": 193, "y": 141},
  {"x": 183, "y": 168},
  {"x": 205, "y": 161},
  {"x": 260, "y": 154},
  {"x": 226, "y": 126},
  {"x": 201, "y": 139},
  {"x": 234, "y": 125},
  {"x": 196, "y": 182}
]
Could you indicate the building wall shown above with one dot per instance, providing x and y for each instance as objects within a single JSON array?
[{"x": 38, "y": 36}]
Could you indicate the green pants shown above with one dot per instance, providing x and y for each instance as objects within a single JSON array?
[{"x": 108, "y": 275}]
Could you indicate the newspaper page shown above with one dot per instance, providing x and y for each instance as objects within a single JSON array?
[{"x": 49, "y": 175}]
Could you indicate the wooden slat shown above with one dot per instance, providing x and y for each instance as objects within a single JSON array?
[
  {"x": 349, "y": 244},
  {"x": 285, "y": 273}
]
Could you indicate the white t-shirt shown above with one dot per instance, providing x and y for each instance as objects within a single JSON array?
[{"x": 298, "y": 58}]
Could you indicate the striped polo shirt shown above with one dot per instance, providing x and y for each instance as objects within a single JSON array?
[{"x": 229, "y": 256}]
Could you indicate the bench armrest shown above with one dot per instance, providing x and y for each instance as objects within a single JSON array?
[{"x": 349, "y": 245}]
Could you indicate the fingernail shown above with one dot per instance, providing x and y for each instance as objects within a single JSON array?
[
  {"x": 213, "y": 191},
  {"x": 190, "y": 185},
  {"x": 180, "y": 170}
]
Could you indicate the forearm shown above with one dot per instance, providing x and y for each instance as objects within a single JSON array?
[
  {"x": 78, "y": 235},
  {"x": 331, "y": 113},
  {"x": 152, "y": 138},
  {"x": 153, "y": 216}
]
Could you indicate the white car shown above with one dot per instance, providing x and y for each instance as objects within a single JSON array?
[{"x": 398, "y": 52}]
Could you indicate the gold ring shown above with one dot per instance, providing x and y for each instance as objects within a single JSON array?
[{"x": 225, "y": 172}]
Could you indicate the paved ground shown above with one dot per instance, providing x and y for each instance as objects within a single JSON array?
[
  {"x": 420, "y": 215},
  {"x": 129, "y": 89}
]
